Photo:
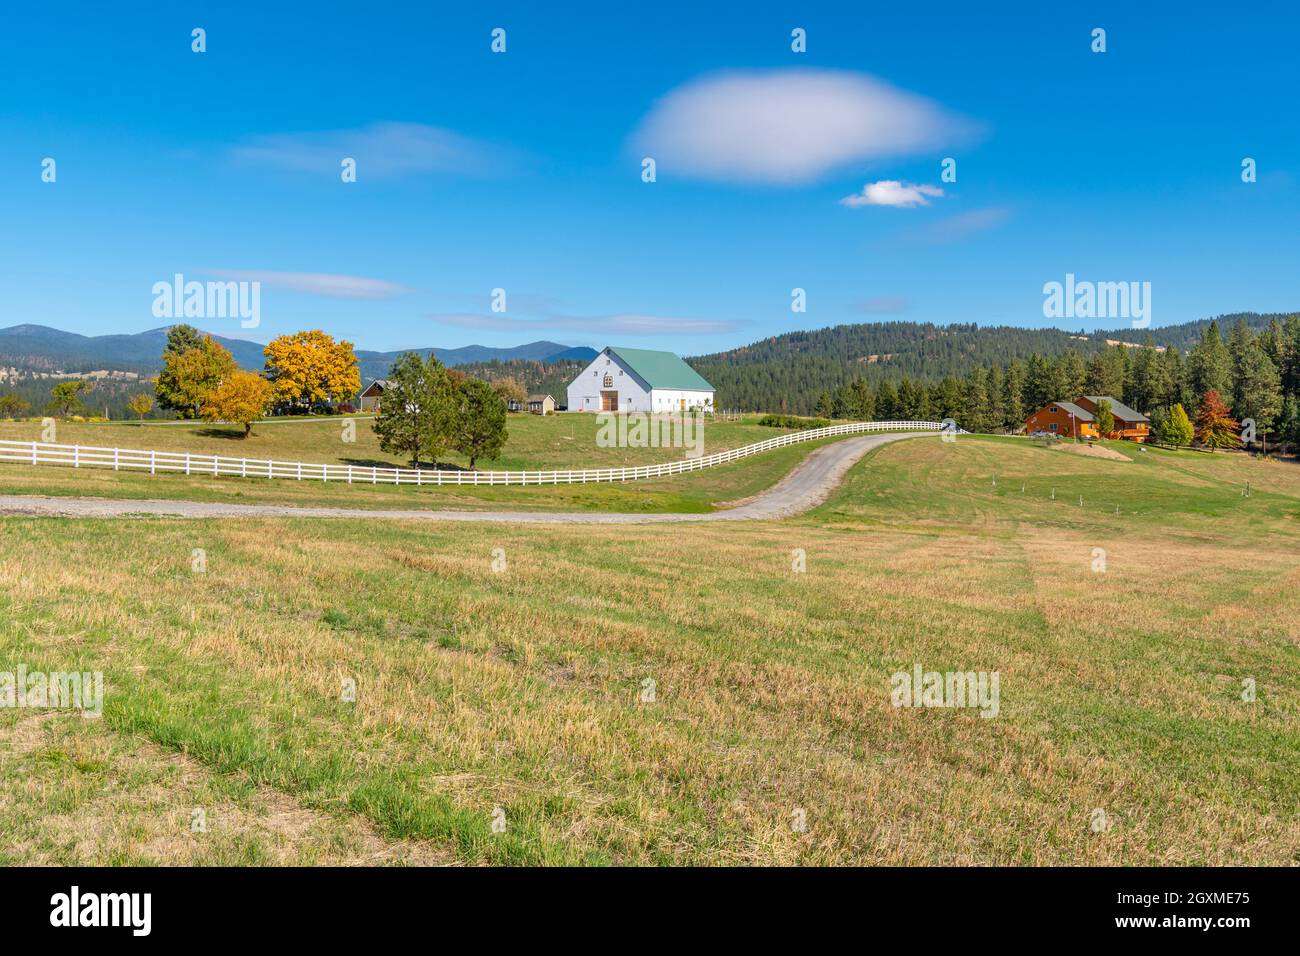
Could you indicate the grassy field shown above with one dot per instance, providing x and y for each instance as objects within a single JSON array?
[
  {"x": 557, "y": 441},
  {"x": 535, "y": 441},
  {"x": 524, "y": 690}
]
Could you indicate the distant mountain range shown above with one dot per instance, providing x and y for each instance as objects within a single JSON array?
[{"x": 41, "y": 348}]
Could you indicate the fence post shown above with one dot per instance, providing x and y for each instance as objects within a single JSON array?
[
  {"x": 33, "y": 453},
  {"x": 187, "y": 463},
  {"x": 115, "y": 459},
  {"x": 76, "y": 456},
  {"x": 153, "y": 462}
]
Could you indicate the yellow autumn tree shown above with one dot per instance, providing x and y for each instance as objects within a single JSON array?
[
  {"x": 241, "y": 398},
  {"x": 308, "y": 368}
]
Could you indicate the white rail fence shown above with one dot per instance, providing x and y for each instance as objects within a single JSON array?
[{"x": 155, "y": 462}]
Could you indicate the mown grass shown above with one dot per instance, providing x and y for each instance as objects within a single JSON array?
[
  {"x": 534, "y": 441},
  {"x": 694, "y": 492},
  {"x": 1120, "y": 690}
]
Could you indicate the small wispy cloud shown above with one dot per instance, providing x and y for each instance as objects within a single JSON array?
[
  {"x": 381, "y": 150},
  {"x": 621, "y": 323},
  {"x": 891, "y": 192},
  {"x": 960, "y": 226},
  {"x": 315, "y": 283},
  {"x": 788, "y": 126}
]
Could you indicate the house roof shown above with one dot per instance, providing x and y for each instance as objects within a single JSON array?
[
  {"x": 381, "y": 382},
  {"x": 1082, "y": 414},
  {"x": 539, "y": 398},
  {"x": 662, "y": 369},
  {"x": 1118, "y": 408}
]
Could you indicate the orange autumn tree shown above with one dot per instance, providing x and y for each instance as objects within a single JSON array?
[
  {"x": 1215, "y": 426},
  {"x": 308, "y": 368},
  {"x": 241, "y": 398}
]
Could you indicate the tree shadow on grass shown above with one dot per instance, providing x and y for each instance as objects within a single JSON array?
[
  {"x": 424, "y": 465},
  {"x": 222, "y": 433}
]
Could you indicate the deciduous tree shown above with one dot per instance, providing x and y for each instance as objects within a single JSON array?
[
  {"x": 308, "y": 368},
  {"x": 480, "y": 421},
  {"x": 416, "y": 410},
  {"x": 140, "y": 405},
  {"x": 1215, "y": 427},
  {"x": 1175, "y": 428},
  {"x": 189, "y": 378},
  {"x": 242, "y": 398},
  {"x": 65, "y": 398},
  {"x": 12, "y": 406}
]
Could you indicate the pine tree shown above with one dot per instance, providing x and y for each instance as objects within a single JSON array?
[
  {"x": 886, "y": 403},
  {"x": 1105, "y": 374},
  {"x": 1013, "y": 401},
  {"x": 976, "y": 417},
  {"x": 1072, "y": 376},
  {"x": 1038, "y": 390},
  {"x": 862, "y": 406},
  {"x": 1257, "y": 388},
  {"x": 1209, "y": 367}
]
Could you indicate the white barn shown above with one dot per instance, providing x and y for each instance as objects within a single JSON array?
[{"x": 639, "y": 380}]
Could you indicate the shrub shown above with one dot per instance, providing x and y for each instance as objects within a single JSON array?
[{"x": 793, "y": 421}]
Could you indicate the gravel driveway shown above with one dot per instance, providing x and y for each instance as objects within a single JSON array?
[{"x": 807, "y": 486}]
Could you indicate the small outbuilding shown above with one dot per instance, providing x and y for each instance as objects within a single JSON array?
[
  {"x": 541, "y": 404},
  {"x": 370, "y": 395}
]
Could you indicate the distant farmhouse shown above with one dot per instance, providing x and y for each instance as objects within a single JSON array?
[
  {"x": 1078, "y": 419},
  {"x": 639, "y": 380}
]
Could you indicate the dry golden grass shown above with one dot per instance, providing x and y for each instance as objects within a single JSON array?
[{"x": 1120, "y": 691}]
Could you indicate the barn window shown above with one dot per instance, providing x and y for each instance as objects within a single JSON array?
[{"x": 609, "y": 381}]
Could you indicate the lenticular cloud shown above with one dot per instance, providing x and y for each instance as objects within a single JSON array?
[{"x": 788, "y": 126}]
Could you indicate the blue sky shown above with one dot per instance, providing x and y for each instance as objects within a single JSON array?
[{"x": 522, "y": 170}]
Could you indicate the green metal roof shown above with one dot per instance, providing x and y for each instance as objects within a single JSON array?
[{"x": 662, "y": 369}]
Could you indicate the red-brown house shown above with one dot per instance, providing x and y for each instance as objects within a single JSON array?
[
  {"x": 1078, "y": 419},
  {"x": 1129, "y": 424},
  {"x": 1062, "y": 418}
]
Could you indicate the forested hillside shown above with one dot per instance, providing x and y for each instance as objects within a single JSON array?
[{"x": 787, "y": 373}]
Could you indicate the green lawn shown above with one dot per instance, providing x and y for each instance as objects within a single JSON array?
[
  {"x": 524, "y": 690},
  {"x": 699, "y": 491},
  {"x": 535, "y": 441}
]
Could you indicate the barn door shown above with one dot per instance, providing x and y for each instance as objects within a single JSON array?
[{"x": 609, "y": 401}]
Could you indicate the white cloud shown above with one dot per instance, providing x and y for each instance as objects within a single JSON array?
[
  {"x": 622, "y": 323},
  {"x": 380, "y": 149},
  {"x": 788, "y": 126},
  {"x": 316, "y": 283},
  {"x": 891, "y": 192}
]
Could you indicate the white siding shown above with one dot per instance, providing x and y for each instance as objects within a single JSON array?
[
  {"x": 584, "y": 391},
  {"x": 633, "y": 395}
]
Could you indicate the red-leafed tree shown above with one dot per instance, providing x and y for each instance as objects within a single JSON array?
[{"x": 1215, "y": 426}]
